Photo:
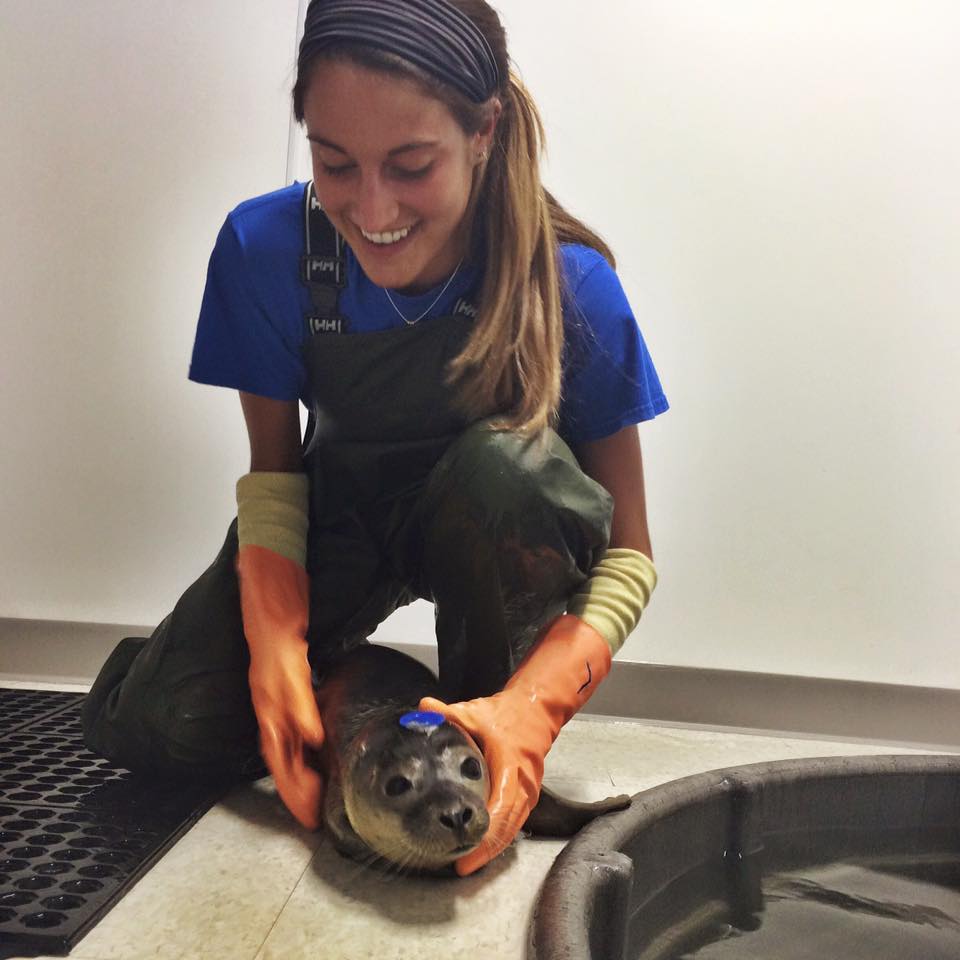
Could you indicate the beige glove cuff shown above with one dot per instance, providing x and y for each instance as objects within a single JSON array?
[
  {"x": 272, "y": 512},
  {"x": 615, "y": 595}
]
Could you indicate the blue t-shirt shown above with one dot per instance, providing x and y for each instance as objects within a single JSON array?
[{"x": 251, "y": 328}]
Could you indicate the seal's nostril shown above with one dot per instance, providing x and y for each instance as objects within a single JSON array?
[{"x": 456, "y": 819}]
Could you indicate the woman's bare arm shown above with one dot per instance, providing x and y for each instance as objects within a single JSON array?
[
  {"x": 616, "y": 464},
  {"x": 274, "y": 430}
]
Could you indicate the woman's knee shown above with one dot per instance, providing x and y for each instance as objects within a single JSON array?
[
  {"x": 203, "y": 726},
  {"x": 503, "y": 476},
  {"x": 514, "y": 510},
  {"x": 207, "y": 727}
]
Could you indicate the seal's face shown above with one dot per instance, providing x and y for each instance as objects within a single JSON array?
[{"x": 417, "y": 797}]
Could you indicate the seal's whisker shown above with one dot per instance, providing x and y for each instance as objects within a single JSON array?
[
  {"x": 411, "y": 862},
  {"x": 359, "y": 867},
  {"x": 500, "y": 838},
  {"x": 368, "y": 863},
  {"x": 392, "y": 870}
]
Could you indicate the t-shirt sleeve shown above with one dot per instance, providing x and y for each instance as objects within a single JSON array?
[
  {"x": 239, "y": 342},
  {"x": 609, "y": 379}
]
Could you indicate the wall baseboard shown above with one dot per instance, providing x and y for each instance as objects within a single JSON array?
[{"x": 61, "y": 652}]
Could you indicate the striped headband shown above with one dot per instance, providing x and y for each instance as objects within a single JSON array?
[{"x": 431, "y": 34}]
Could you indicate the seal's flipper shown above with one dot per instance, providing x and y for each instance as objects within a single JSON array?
[{"x": 553, "y": 816}]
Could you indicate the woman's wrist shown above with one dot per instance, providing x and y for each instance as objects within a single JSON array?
[
  {"x": 273, "y": 512},
  {"x": 615, "y": 595}
]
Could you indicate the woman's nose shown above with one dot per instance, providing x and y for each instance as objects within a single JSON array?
[{"x": 376, "y": 207}]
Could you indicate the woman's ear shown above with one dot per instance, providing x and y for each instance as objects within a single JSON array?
[{"x": 483, "y": 138}]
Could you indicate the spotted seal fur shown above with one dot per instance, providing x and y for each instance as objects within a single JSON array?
[{"x": 414, "y": 796}]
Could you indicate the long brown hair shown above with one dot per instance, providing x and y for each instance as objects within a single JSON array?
[{"x": 511, "y": 363}]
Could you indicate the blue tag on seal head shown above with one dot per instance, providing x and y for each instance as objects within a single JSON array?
[{"x": 421, "y": 720}]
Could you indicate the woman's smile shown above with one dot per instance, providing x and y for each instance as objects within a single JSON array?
[
  {"x": 387, "y": 237},
  {"x": 387, "y": 244}
]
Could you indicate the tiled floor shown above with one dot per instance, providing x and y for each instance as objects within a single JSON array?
[{"x": 246, "y": 883}]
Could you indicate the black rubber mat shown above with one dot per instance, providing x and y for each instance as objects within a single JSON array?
[{"x": 75, "y": 832}]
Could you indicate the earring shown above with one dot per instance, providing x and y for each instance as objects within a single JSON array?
[{"x": 482, "y": 156}]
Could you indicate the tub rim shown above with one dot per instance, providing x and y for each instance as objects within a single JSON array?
[{"x": 583, "y": 904}]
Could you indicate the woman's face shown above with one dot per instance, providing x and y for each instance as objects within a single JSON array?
[{"x": 393, "y": 171}]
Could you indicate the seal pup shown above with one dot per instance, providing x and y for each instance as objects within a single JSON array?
[{"x": 407, "y": 787}]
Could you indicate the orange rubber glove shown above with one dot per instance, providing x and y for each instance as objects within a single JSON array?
[
  {"x": 275, "y": 602},
  {"x": 516, "y": 727}
]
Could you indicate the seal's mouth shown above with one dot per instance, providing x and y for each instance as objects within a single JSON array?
[{"x": 464, "y": 848}]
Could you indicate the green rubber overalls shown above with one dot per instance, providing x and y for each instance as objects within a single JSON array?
[{"x": 408, "y": 499}]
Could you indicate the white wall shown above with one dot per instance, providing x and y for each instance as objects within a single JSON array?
[
  {"x": 127, "y": 132},
  {"x": 778, "y": 181}
]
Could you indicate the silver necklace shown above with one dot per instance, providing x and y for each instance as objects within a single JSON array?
[{"x": 410, "y": 323}]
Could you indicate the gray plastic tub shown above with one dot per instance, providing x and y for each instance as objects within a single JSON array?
[{"x": 646, "y": 884}]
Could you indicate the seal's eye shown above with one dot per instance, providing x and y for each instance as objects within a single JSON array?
[
  {"x": 397, "y": 785},
  {"x": 470, "y": 768}
]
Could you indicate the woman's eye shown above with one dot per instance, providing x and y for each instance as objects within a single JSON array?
[
  {"x": 398, "y": 171},
  {"x": 414, "y": 174}
]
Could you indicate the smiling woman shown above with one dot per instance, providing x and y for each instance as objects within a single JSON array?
[
  {"x": 397, "y": 188},
  {"x": 475, "y": 377}
]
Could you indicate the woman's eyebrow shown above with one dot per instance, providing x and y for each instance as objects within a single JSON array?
[{"x": 406, "y": 148}]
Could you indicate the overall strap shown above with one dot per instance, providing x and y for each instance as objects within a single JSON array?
[{"x": 323, "y": 267}]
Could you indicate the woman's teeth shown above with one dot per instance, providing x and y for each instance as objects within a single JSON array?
[{"x": 383, "y": 238}]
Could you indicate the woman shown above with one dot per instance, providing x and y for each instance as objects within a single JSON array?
[{"x": 475, "y": 378}]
